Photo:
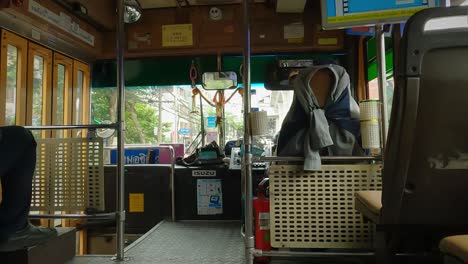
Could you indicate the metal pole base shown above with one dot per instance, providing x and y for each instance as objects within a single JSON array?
[
  {"x": 120, "y": 260},
  {"x": 249, "y": 257}
]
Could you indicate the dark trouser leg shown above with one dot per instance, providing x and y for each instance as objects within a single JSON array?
[{"x": 17, "y": 164}]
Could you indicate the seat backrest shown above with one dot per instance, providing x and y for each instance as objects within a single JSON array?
[{"x": 426, "y": 163}]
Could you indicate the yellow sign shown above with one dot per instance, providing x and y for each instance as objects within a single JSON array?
[
  {"x": 136, "y": 203},
  {"x": 177, "y": 35},
  {"x": 375, "y": 15},
  {"x": 327, "y": 41}
]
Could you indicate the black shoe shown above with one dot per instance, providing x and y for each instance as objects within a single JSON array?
[{"x": 28, "y": 237}]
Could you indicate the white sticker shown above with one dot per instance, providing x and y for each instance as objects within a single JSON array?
[
  {"x": 62, "y": 21},
  {"x": 294, "y": 31},
  {"x": 209, "y": 197},
  {"x": 264, "y": 221},
  {"x": 36, "y": 34},
  {"x": 203, "y": 173}
]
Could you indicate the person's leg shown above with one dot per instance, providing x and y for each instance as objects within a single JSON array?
[{"x": 17, "y": 164}]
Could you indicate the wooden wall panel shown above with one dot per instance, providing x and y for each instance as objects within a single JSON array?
[
  {"x": 226, "y": 36},
  {"x": 102, "y": 11},
  {"x": 265, "y": 33},
  {"x": 222, "y": 33},
  {"x": 146, "y": 34},
  {"x": 23, "y": 13}
]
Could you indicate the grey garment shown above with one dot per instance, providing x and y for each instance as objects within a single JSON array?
[
  {"x": 344, "y": 142},
  {"x": 308, "y": 141}
]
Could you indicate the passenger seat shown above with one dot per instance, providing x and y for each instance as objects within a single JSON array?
[
  {"x": 369, "y": 203},
  {"x": 422, "y": 195},
  {"x": 455, "y": 246}
]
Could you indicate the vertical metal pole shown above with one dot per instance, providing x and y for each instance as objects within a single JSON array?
[
  {"x": 222, "y": 139},
  {"x": 202, "y": 123},
  {"x": 160, "y": 136},
  {"x": 247, "y": 157},
  {"x": 222, "y": 130},
  {"x": 176, "y": 117},
  {"x": 382, "y": 79},
  {"x": 120, "y": 131},
  {"x": 172, "y": 181}
]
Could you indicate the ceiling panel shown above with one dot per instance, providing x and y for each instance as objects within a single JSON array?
[
  {"x": 157, "y": 3},
  {"x": 147, "y": 4}
]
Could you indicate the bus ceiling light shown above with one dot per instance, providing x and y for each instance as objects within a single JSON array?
[{"x": 133, "y": 11}]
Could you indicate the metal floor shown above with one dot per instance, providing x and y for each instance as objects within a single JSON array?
[
  {"x": 203, "y": 243},
  {"x": 195, "y": 242},
  {"x": 183, "y": 243}
]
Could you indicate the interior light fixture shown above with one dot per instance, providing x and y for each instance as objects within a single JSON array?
[{"x": 133, "y": 11}]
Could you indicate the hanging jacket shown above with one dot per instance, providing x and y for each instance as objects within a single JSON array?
[{"x": 308, "y": 129}]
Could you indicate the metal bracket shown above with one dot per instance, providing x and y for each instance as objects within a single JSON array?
[{"x": 121, "y": 216}]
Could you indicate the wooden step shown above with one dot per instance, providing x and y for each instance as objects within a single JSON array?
[{"x": 56, "y": 251}]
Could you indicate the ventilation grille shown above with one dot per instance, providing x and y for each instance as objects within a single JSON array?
[
  {"x": 69, "y": 175},
  {"x": 316, "y": 209}
]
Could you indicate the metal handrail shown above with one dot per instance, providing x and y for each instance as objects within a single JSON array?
[
  {"x": 68, "y": 127},
  {"x": 330, "y": 158},
  {"x": 308, "y": 254},
  {"x": 301, "y": 254},
  {"x": 107, "y": 216},
  {"x": 172, "y": 180}
]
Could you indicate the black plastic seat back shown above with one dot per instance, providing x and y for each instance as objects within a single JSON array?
[{"x": 425, "y": 178}]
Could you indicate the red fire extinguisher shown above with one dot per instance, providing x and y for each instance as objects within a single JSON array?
[{"x": 261, "y": 206}]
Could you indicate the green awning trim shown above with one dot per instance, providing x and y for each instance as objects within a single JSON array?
[
  {"x": 151, "y": 72},
  {"x": 372, "y": 67},
  {"x": 372, "y": 59},
  {"x": 372, "y": 48},
  {"x": 164, "y": 71}
]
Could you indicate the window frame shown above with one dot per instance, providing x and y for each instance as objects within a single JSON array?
[
  {"x": 46, "y": 54},
  {"x": 80, "y": 66},
  {"x": 67, "y": 62},
  {"x": 21, "y": 45}
]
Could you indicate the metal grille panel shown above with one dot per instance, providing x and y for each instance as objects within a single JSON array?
[
  {"x": 69, "y": 175},
  {"x": 316, "y": 209}
]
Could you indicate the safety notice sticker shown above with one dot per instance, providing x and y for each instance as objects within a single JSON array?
[{"x": 209, "y": 196}]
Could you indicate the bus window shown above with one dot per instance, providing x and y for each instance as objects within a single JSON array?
[
  {"x": 372, "y": 71},
  {"x": 374, "y": 91},
  {"x": 61, "y": 102},
  {"x": 79, "y": 98},
  {"x": 164, "y": 114},
  {"x": 38, "y": 81},
  {"x": 60, "y": 92},
  {"x": 276, "y": 103},
  {"x": 39, "y": 87},
  {"x": 80, "y": 94},
  {"x": 12, "y": 78},
  {"x": 13, "y": 59}
]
